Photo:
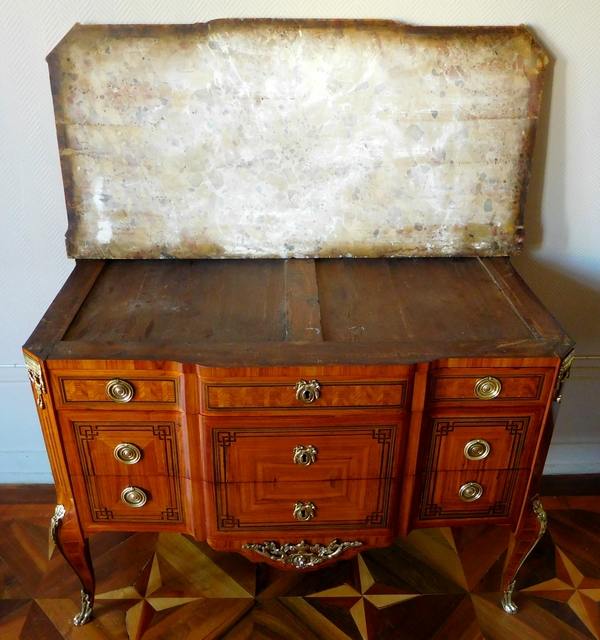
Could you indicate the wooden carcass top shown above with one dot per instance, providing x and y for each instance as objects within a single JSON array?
[{"x": 296, "y": 312}]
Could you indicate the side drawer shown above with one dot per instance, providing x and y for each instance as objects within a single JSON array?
[
  {"x": 107, "y": 498},
  {"x": 490, "y": 386},
  {"x": 270, "y": 506},
  {"x": 475, "y": 440},
  {"x": 469, "y": 497},
  {"x": 124, "y": 444},
  {"x": 281, "y": 450},
  {"x": 123, "y": 390},
  {"x": 309, "y": 389}
]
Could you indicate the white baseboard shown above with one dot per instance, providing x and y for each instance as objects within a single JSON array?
[
  {"x": 573, "y": 459},
  {"x": 575, "y": 447},
  {"x": 26, "y": 478},
  {"x": 23, "y": 457}
]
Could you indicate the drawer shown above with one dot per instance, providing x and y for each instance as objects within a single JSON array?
[
  {"x": 308, "y": 389},
  {"x": 287, "y": 452},
  {"x": 127, "y": 448},
  {"x": 475, "y": 441},
  {"x": 121, "y": 390},
  {"x": 467, "y": 497},
  {"x": 124, "y": 444},
  {"x": 106, "y": 497},
  {"x": 490, "y": 386},
  {"x": 342, "y": 504}
]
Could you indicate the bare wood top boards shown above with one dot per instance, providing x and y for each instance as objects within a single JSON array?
[{"x": 282, "y": 312}]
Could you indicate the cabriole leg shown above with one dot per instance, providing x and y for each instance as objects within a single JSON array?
[
  {"x": 521, "y": 546},
  {"x": 68, "y": 537}
]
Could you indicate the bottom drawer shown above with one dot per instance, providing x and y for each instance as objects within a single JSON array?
[
  {"x": 355, "y": 504},
  {"x": 471, "y": 496},
  {"x": 136, "y": 499}
]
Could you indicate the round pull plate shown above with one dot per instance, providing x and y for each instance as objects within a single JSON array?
[
  {"x": 127, "y": 453},
  {"x": 134, "y": 497},
  {"x": 305, "y": 456},
  {"x": 477, "y": 449},
  {"x": 470, "y": 492},
  {"x": 119, "y": 390},
  {"x": 304, "y": 511},
  {"x": 488, "y": 388},
  {"x": 307, "y": 392}
]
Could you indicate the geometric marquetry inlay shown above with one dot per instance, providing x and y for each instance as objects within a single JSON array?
[
  {"x": 97, "y": 441},
  {"x": 510, "y": 440},
  {"x": 163, "y": 503},
  {"x": 87, "y": 390},
  {"x": 508, "y": 436},
  {"x": 341, "y": 504},
  {"x": 441, "y": 495}
]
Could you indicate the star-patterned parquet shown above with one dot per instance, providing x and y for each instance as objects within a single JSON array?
[{"x": 440, "y": 584}]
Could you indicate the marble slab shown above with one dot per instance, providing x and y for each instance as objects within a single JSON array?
[{"x": 280, "y": 138}]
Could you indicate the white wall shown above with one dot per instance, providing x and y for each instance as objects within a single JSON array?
[{"x": 562, "y": 257}]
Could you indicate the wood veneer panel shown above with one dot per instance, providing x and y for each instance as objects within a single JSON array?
[
  {"x": 92, "y": 391},
  {"x": 156, "y": 442},
  {"x": 266, "y": 454},
  {"x": 512, "y": 437},
  {"x": 77, "y": 390},
  {"x": 89, "y": 439},
  {"x": 269, "y": 506},
  {"x": 334, "y": 396},
  {"x": 518, "y": 385},
  {"x": 165, "y": 505},
  {"x": 500, "y": 503}
]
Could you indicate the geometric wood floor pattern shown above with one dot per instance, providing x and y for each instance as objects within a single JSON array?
[{"x": 440, "y": 584}]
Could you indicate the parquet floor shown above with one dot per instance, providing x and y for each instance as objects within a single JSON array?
[{"x": 437, "y": 584}]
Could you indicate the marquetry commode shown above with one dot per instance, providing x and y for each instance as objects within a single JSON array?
[{"x": 321, "y": 394}]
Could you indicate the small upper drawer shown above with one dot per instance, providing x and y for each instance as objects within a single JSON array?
[
  {"x": 489, "y": 386},
  {"x": 116, "y": 390},
  {"x": 285, "y": 389},
  {"x": 304, "y": 393}
]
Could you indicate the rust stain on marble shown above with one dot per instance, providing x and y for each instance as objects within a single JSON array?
[{"x": 267, "y": 138}]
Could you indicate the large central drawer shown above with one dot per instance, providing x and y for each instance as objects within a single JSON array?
[
  {"x": 288, "y": 452},
  {"x": 283, "y": 472},
  {"x": 341, "y": 503}
]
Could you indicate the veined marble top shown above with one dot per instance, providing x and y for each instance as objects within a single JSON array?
[{"x": 286, "y": 138}]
